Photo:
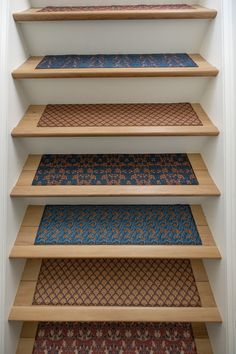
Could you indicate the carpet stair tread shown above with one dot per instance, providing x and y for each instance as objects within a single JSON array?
[
  {"x": 170, "y": 119},
  {"x": 106, "y": 231},
  {"x": 56, "y": 13},
  {"x": 115, "y": 175},
  {"x": 175, "y": 290},
  {"x": 187, "y": 338},
  {"x": 128, "y": 65}
]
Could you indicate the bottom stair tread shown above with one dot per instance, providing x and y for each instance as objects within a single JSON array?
[
  {"x": 114, "y": 290},
  {"x": 114, "y": 338}
]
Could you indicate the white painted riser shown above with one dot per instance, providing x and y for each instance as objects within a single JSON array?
[
  {"x": 110, "y": 145},
  {"x": 118, "y": 90},
  {"x": 114, "y": 37},
  {"x": 111, "y": 200}
]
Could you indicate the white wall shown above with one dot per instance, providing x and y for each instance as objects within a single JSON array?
[
  {"x": 231, "y": 247},
  {"x": 3, "y": 161},
  {"x": 229, "y": 84},
  {"x": 216, "y": 155},
  {"x": 135, "y": 36},
  {"x": 15, "y": 103}
]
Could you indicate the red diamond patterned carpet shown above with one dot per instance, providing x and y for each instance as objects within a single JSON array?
[
  {"x": 114, "y": 115},
  {"x": 116, "y": 282}
]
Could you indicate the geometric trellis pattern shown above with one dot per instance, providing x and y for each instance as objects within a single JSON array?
[
  {"x": 116, "y": 282},
  {"x": 113, "y": 115},
  {"x": 117, "y": 225},
  {"x": 114, "y": 338}
]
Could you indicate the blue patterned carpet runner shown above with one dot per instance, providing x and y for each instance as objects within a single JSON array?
[
  {"x": 117, "y": 225},
  {"x": 116, "y": 61},
  {"x": 115, "y": 169},
  {"x": 114, "y": 338}
]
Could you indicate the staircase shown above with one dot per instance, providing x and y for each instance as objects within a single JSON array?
[{"x": 115, "y": 277}]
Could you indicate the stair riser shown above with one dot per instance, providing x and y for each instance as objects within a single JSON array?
[
  {"x": 91, "y": 145},
  {"x": 122, "y": 90},
  {"x": 112, "y": 200},
  {"x": 120, "y": 37}
]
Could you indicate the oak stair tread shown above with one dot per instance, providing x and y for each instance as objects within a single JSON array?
[
  {"x": 29, "y": 332},
  {"x": 24, "y": 187},
  {"x": 23, "y": 308},
  {"x": 36, "y": 14},
  {"x": 25, "y": 246},
  {"x": 28, "y": 126},
  {"x": 28, "y": 70}
]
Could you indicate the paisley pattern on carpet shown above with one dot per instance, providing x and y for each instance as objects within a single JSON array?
[
  {"x": 117, "y": 225},
  {"x": 115, "y": 169},
  {"x": 114, "y": 338},
  {"x": 116, "y": 282},
  {"x": 114, "y": 115},
  {"x": 113, "y": 61}
]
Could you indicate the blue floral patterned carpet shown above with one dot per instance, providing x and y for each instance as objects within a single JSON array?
[
  {"x": 116, "y": 61},
  {"x": 115, "y": 169},
  {"x": 117, "y": 225}
]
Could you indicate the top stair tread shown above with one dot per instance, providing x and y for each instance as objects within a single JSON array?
[{"x": 115, "y": 13}]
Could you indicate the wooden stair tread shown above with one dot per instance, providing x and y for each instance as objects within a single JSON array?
[
  {"x": 28, "y": 126},
  {"x": 24, "y": 310},
  {"x": 35, "y": 14},
  {"x": 28, "y": 337},
  {"x": 28, "y": 70},
  {"x": 25, "y": 246},
  {"x": 24, "y": 187}
]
